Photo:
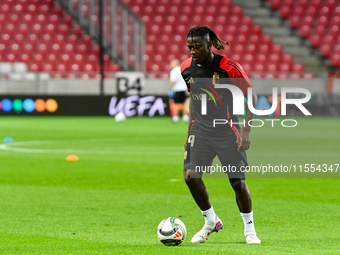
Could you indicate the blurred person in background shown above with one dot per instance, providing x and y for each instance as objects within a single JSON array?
[{"x": 179, "y": 87}]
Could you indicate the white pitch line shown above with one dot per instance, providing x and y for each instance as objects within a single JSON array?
[{"x": 13, "y": 147}]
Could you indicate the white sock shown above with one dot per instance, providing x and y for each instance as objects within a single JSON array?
[
  {"x": 248, "y": 222},
  {"x": 175, "y": 118},
  {"x": 185, "y": 117},
  {"x": 209, "y": 215}
]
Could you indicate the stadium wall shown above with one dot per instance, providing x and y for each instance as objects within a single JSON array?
[{"x": 81, "y": 97}]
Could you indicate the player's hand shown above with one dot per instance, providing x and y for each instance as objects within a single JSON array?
[{"x": 243, "y": 140}]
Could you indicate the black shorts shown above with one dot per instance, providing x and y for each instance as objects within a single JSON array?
[
  {"x": 179, "y": 97},
  {"x": 201, "y": 151}
]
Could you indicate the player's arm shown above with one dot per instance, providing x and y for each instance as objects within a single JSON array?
[
  {"x": 241, "y": 80},
  {"x": 243, "y": 139},
  {"x": 172, "y": 84}
]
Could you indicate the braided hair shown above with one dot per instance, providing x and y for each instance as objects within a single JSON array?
[{"x": 202, "y": 31}]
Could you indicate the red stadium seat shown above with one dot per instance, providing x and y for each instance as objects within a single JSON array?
[
  {"x": 319, "y": 30},
  {"x": 52, "y": 59},
  {"x": 305, "y": 31},
  {"x": 337, "y": 48},
  {"x": 81, "y": 48},
  {"x": 336, "y": 11},
  {"x": 53, "y": 19},
  {"x": 247, "y": 67},
  {"x": 297, "y": 68},
  {"x": 275, "y": 4},
  {"x": 335, "y": 20},
  {"x": 28, "y": 49},
  {"x": 311, "y": 11},
  {"x": 42, "y": 49},
  {"x": 257, "y": 30},
  {"x": 322, "y": 20},
  {"x": 59, "y": 39},
  {"x": 254, "y": 39},
  {"x": 37, "y": 30},
  {"x": 272, "y": 67},
  {"x": 38, "y": 60},
  {"x": 261, "y": 59},
  {"x": 224, "y": 10},
  {"x": 61, "y": 68},
  {"x": 284, "y": 68},
  {"x": 277, "y": 49},
  {"x": 326, "y": 50},
  {"x": 285, "y": 12},
  {"x": 267, "y": 40},
  {"x": 238, "y": 49},
  {"x": 315, "y": 41},
  {"x": 15, "y": 49},
  {"x": 289, "y": 3},
  {"x": 63, "y": 29},
  {"x": 77, "y": 30},
  {"x": 237, "y": 10},
  {"x": 328, "y": 39},
  {"x": 14, "y": 19},
  {"x": 324, "y": 11},
  {"x": 67, "y": 20},
  {"x": 48, "y": 67},
  {"x": 33, "y": 67},
  {"x": 248, "y": 59},
  {"x": 24, "y": 58},
  {"x": 241, "y": 39},
  {"x": 259, "y": 68},
  {"x": 211, "y": 10},
  {"x": 244, "y": 30},
  {"x": 294, "y": 21},
  {"x": 19, "y": 39},
  {"x": 308, "y": 20},
  {"x": 317, "y": 3},
  {"x": 55, "y": 49},
  {"x": 23, "y": 29},
  {"x": 287, "y": 59},
  {"x": 334, "y": 30},
  {"x": 274, "y": 59},
  {"x": 4, "y": 9},
  {"x": 335, "y": 59},
  {"x": 251, "y": 49},
  {"x": 298, "y": 11},
  {"x": 57, "y": 9},
  {"x": 303, "y": 4},
  {"x": 236, "y": 57},
  {"x": 264, "y": 49}
]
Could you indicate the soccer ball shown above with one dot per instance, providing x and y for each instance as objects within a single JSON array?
[
  {"x": 171, "y": 231},
  {"x": 120, "y": 117}
]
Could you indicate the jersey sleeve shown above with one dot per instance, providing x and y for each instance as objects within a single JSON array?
[
  {"x": 186, "y": 72},
  {"x": 236, "y": 74}
]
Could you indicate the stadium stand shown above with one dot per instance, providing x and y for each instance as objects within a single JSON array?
[
  {"x": 166, "y": 32},
  {"x": 44, "y": 38},
  {"x": 317, "y": 20},
  {"x": 40, "y": 34}
]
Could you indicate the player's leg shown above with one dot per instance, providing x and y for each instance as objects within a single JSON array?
[
  {"x": 236, "y": 162},
  {"x": 175, "y": 117},
  {"x": 197, "y": 155},
  {"x": 197, "y": 189},
  {"x": 185, "y": 109}
]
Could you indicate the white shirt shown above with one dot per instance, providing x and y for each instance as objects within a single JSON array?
[{"x": 176, "y": 77}]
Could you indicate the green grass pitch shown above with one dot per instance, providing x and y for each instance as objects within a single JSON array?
[{"x": 129, "y": 178}]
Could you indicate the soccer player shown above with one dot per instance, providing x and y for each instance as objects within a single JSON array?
[
  {"x": 177, "y": 84},
  {"x": 204, "y": 141}
]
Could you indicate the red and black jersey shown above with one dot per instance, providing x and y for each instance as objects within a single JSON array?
[{"x": 202, "y": 80}]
